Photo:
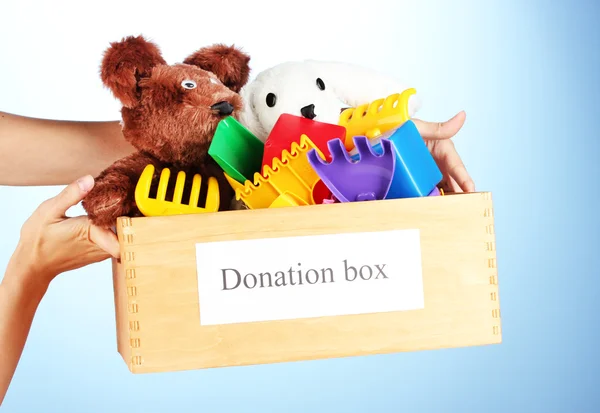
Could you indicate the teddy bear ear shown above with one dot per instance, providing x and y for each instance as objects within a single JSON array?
[
  {"x": 229, "y": 63},
  {"x": 125, "y": 63}
]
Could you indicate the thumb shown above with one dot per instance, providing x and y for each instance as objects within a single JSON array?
[
  {"x": 105, "y": 240},
  {"x": 440, "y": 130},
  {"x": 71, "y": 195}
]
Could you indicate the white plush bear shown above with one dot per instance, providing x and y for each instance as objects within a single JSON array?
[{"x": 317, "y": 90}]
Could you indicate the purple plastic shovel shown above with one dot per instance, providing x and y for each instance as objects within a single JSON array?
[{"x": 367, "y": 179}]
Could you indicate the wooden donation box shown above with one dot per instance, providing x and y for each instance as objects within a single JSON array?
[{"x": 320, "y": 281}]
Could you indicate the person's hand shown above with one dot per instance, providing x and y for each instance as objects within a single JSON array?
[
  {"x": 437, "y": 137},
  {"x": 52, "y": 243}
]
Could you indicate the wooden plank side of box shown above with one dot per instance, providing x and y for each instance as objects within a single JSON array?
[{"x": 157, "y": 301}]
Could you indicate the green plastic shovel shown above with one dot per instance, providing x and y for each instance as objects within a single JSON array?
[{"x": 237, "y": 151}]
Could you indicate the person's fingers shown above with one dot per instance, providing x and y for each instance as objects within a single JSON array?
[
  {"x": 448, "y": 184},
  {"x": 454, "y": 186},
  {"x": 464, "y": 181},
  {"x": 71, "y": 195},
  {"x": 457, "y": 171},
  {"x": 71, "y": 245},
  {"x": 105, "y": 239},
  {"x": 440, "y": 130}
]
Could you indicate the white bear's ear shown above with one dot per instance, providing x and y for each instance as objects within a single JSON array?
[{"x": 356, "y": 85}]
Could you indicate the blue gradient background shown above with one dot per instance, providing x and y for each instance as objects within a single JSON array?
[{"x": 527, "y": 73}]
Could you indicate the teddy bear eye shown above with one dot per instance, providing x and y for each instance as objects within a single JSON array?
[
  {"x": 188, "y": 84},
  {"x": 271, "y": 100},
  {"x": 320, "y": 83}
]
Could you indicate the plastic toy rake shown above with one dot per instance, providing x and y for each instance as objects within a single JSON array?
[
  {"x": 289, "y": 181},
  {"x": 367, "y": 179},
  {"x": 374, "y": 119},
  {"x": 159, "y": 206}
]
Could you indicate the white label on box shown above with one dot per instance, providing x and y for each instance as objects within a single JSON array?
[{"x": 310, "y": 276}]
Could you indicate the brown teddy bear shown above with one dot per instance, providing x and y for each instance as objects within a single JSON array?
[{"x": 169, "y": 114}]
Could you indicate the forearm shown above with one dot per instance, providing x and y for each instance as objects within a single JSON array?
[
  {"x": 49, "y": 152},
  {"x": 19, "y": 300}
]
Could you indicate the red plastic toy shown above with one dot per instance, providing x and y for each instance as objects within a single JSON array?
[
  {"x": 289, "y": 128},
  {"x": 320, "y": 193}
]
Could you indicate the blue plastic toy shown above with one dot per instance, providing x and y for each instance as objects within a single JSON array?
[{"x": 416, "y": 174}]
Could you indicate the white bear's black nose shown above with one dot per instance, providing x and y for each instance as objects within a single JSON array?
[
  {"x": 308, "y": 111},
  {"x": 224, "y": 108}
]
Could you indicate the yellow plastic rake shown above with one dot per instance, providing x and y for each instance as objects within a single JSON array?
[
  {"x": 375, "y": 118},
  {"x": 159, "y": 206}
]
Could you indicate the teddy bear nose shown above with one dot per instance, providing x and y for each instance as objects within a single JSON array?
[
  {"x": 224, "y": 108},
  {"x": 308, "y": 111}
]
